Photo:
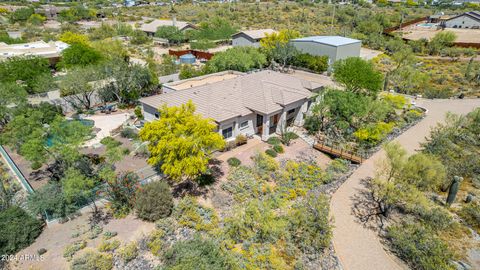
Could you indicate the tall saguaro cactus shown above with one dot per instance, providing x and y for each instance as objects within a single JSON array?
[{"x": 452, "y": 192}]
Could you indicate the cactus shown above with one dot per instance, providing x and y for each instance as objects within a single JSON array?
[{"x": 452, "y": 192}]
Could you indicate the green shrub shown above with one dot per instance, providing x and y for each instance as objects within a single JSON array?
[
  {"x": 297, "y": 178},
  {"x": 278, "y": 148},
  {"x": 316, "y": 64},
  {"x": 287, "y": 137},
  {"x": 71, "y": 249},
  {"x": 372, "y": 134},
  {"x": 108, "y": 246},
  {"x": 121, "y": 192},
  {"x": 138, "y": 112},
  {"x": 240, "y": 140},
  {"x": 243, "y": 184},
  {"x": 338, "y": 165},
  {"x": 190, "y": 214},
  {"x": 234, "y": 162},
  {"x": 93, "y": 260},
  {"x": 470, "y": 213},
  {"x": 197, "y": 254},
  {"x": 312, "y": 124},
  {"x": 95, "y": 232},
  {"x": 271, "y": 152},
  {"x": 154, "y": 201},
  {"x": 437, "y": 218},
  {"x": 412, "y": 115},
  {"x": 110, "y": 142},
  {"x": 155, "y": 242},
  {"x": 128, "y": 252},
  {"x": 420, "y": 247},
  {"x": 309, "y": 223},
  {"x": 17, "y": 230},
  {"x": 129, "y": 133},
  {"x": 108, "y": 235},
  {"x": 202, "y": 44},
  {"x": 256, "y": 221},
  {"x": 265, "y": 165},
  {"x": 274, "y": 141}
]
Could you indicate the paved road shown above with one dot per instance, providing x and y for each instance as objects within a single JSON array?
[{"x": 358, "y": 247}]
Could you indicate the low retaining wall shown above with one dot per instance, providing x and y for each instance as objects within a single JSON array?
[{"x": 16, "y": 171}]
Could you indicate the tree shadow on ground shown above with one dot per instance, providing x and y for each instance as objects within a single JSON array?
[
  {"x": 366, "y": 209},
  {"x": 201, "y": 185},
  {"x": 99, "y": 217}
]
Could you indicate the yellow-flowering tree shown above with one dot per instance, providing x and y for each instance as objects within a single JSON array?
[
  {"x": 181, "y": 141},
  {"x": 281, "y": 38},
  {"x": 73, "y": 38}
]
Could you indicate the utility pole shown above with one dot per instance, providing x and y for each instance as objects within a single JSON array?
[{"x": 333, "y": 19}]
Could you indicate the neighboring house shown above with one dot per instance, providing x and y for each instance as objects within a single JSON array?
[
  {"x": 51, "y": 12},
  {"x": 151, "y": 28},
  {"x": 262, "y": 103},
  {"x": 250, "y": 37},
  {"x": 51, "y": 50},
  {"x": 335, "y": 47},
  {"x": 438, "y": 18},
  {"x": 469, "y": 19}
]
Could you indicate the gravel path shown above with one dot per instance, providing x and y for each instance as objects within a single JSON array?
[{"x": 358, "y": 247}]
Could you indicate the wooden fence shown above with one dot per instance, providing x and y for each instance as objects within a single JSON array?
[
  {"x": 405, "y": 24},
  {"x": 197, "y": 54},
  {"x": 388, "y": 31}
]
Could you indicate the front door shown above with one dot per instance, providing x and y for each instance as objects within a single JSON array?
[{"x": 259, "y": 124}]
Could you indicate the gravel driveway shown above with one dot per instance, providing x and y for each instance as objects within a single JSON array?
[{"x": 358, "y": 247}]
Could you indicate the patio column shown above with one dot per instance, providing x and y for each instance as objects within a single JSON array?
[
  {"x": 236, "y": 128},
  {"x": 299, "y": 118},
  {"x": 282, "y": 123},
  {"x": 266, "y": 127}
]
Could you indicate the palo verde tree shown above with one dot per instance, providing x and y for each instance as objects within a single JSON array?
[
  {"x": 358, "y": 76},
  {"x": 275, "y": 39},
  {"x": 127, "y": 81},
  {"x": 77, "y": 87},
  {"x": 30, "y": 72},
  {"x": 401, "y": 181},
  {"x": 181, "y": 141},
  {"x": 79, "y": 54}
]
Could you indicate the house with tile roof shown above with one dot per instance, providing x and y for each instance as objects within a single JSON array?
[
  {"x": 151, "y": 27},
  {"x": 335, "y": 47},
  {"x": 262, "y": 103},
  {"x": 250, "y": 37}
]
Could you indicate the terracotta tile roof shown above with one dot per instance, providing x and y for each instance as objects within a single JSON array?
[
  {"x": 265, "y": 92},
  {"x": 256, "y": 34},
  {"x": 152, "y": 26}
]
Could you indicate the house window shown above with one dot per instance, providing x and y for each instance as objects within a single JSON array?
[
  {"x": 227, "y": 132},
  {"x": 244, "y": 125}
]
